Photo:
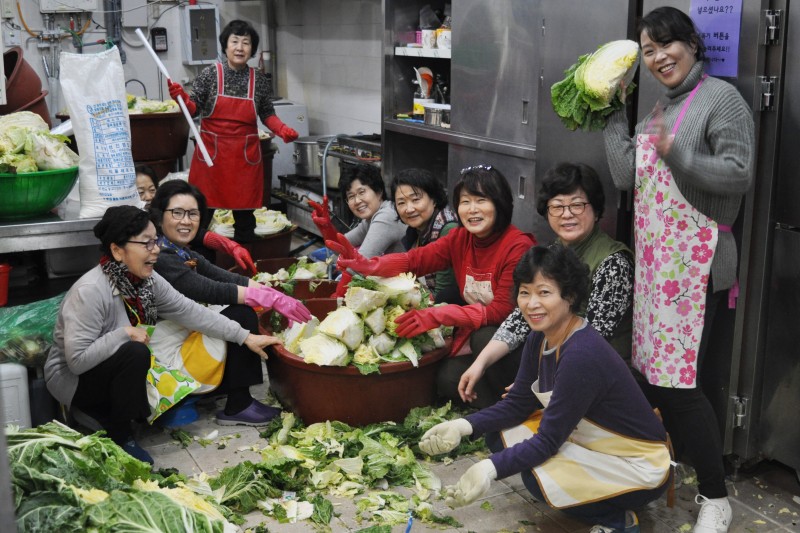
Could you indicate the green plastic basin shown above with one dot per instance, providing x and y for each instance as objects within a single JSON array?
[{"x": 34, "y": 193}]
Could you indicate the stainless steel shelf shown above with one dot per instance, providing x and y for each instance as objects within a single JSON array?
[
  {"x": 462, "y": 139},
  {"x": 46, "y": 233},
  {"x": 437, "y": 53}
]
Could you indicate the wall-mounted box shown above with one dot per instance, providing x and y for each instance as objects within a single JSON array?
[
  {"x": 67, "y": 6},
  {"x": 200, "y": 34}
]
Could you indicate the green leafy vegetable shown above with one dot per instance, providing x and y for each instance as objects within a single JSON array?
[{"x": 589, "y": 93}]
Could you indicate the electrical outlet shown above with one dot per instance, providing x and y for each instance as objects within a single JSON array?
[{"x": 11, "y": 37}]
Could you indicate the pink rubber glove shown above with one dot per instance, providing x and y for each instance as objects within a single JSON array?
[
  {"x": 385, "y": 265},
  {"x": 418, "y": 321},
  {"x": 280, "y": 129},
  {"x": 270, "y": 298},
  {"x": 177, "y": 92},
  {"x": 218, "y": 243},
  {"x": 321, "y": 217}
]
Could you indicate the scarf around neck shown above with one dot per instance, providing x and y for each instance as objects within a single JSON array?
[{"x": 137, "y": 293}]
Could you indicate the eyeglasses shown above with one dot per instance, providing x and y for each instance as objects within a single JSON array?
[
  {"x": 179, "y": 214},
  {"x": 359, "y": 195},
  {"x": 148, "y": 244},
  {"x": 476, "y": 167},
  {"x": 576, "y": 208}
]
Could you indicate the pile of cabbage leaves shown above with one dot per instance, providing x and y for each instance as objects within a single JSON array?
[
  {"x": 67, "y": 482},
  {"x": 26, "y": 145},
  {"x": 362, "y": 332}
]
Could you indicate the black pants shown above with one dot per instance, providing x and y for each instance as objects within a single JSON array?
[
  {"x": 494, "y": 381},
  {"x": 115, "y": 390},
  {"x": 242, "y": 366},
  {"x": 244, "y": 225},
  {"x": 690, "y": 419}
]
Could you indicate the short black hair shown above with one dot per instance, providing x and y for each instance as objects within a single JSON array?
[
  {"x": 172, "y": 188},
  {"x": 560, "y": 264},
  {"x": 420, "y": 179},
  {"x": 667, "y": 24},
  {"x": 487, "y": 181},
  {"x": 118, "y": 225},
  {"x": 148, "y": 171},
  {"x": 566, "y": 178},
  {"x": 239, "y": 27},
  {"x": 368, "y": 175}
]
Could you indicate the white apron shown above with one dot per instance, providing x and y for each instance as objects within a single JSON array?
[
  {"x": 594, "y": 464},
  {"x": 675, "y": 245}
]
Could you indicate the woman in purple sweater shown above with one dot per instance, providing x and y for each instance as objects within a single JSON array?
[{"x": 575, "y": 425}]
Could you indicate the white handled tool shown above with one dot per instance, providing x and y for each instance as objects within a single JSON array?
[{"x": 182, "y": 105}]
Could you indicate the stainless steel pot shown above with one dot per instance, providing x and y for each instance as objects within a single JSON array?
[
  {"x": 306, "y": 157},
  {"x": 332, "y": 171}
]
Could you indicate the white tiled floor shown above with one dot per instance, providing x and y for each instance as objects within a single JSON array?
[{"x": 762, "y": 501}]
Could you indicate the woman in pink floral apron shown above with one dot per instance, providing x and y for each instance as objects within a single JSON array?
[{"x": 689, "y": 166}]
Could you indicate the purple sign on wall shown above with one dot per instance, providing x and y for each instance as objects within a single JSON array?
[{"x": 719, "y": 22}]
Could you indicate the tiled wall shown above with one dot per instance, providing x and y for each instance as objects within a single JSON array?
[{"x": 329, "y": 58}]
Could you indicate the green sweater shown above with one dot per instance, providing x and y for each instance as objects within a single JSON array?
[{"x": 711, "y": 158}]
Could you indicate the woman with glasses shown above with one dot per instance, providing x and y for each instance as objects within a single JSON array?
[
  {"x": 100, "y": 358},
  {"x": 177, "y": 209},
  {"x": 482, "y": 253},
  {"x": 571, "y": 197},
  {"x": 379, "y": 231},
  {"x": 421, "y": 203}
]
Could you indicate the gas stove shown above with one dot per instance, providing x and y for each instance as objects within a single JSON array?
[{"x": 295, "y": 191}]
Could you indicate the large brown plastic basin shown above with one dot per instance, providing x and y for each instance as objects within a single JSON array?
[{"x": 319, "y": 393}]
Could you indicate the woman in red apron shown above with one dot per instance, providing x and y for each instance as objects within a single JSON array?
[
  {"x": 231, "y": 97},
  {"x": 482, "y": 253},
  {"x": 689, "y": 166}
]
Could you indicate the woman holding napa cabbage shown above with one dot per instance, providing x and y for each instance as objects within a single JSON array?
[
  {"x": 689, "y": 166},
  {"x": 482, "y": 253}
]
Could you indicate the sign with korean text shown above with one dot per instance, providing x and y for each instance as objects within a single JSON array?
[{"x": 719, "y": 22}]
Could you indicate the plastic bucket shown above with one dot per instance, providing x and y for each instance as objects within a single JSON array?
[{"x": 5, "y": 270}]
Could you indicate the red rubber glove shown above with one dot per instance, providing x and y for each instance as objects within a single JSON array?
[
  {"x": 280, "y": 129},
  {"x": 418, "y": 321},
  {"x": 177, "y": 92},
  {"x": 218, "y": 243},
  {"x": 343, "y": 285},
  {"x": 270, "y": 298},
  {"x": 385, "y": 265},
  {"x": 321, "y": 216}
]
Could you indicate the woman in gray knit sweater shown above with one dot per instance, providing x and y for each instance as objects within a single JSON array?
[{"x": 689, "y": 166}]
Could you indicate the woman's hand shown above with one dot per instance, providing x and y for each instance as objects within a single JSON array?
[
  {"x": 663, "y": 141},
  {"x": 469, "y": 379},
  {"x": 257, "y": 343},
  {"x": 137, "y": 334}
]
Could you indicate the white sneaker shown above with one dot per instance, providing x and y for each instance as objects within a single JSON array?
[
  {"x": 715, "y": 515},
  {"x": 631, "y": 525}
]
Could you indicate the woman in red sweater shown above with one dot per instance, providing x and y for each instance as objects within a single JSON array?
[{"x": 482, "y": 253}]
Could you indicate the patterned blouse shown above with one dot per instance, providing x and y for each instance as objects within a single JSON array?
[
  {"x": 609, "y": 300},
  {"x": 205, "y": 89}
]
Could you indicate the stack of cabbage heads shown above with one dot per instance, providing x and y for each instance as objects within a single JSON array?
[
  {"x": 590, "y": 91},
  {"x": 362, "y": 332},
  {"x": 26, "y": 145}
]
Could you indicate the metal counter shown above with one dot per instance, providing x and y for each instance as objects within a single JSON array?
[{"x": 45, "y": 233}]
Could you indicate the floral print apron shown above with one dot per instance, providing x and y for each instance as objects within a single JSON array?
[{"x": 675, "y": 245}]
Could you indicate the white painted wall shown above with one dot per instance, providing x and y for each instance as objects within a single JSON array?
[
  {"x": 138, "y": 64},
  {"x": 329, "y": 57}
]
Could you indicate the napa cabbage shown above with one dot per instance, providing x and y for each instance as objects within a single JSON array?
[
  {"x": 376, "y": 321},
  {"x": 363, "y": 300},
  {"x": 324, "y": 351},
  {"x": 298, "y": 331},
  {"x": 589, "y": 92},
  {"x": 345, "y": 325}
]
